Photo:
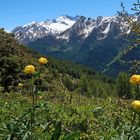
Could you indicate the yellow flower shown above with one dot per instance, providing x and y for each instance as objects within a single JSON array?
[
  {"x": 136, "y": 105},
  {"x": 30, "y": 69},
  {"x": 20, "y": 84},
  {"x": 135, "y": 79},
  {"x": 42, "y": 60}
]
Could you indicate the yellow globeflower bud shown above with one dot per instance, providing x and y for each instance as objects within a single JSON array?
[
  {"x": 136, "y": 105},
  {"x": 135, "y": 79},
  {"x": 42, "y": 60},
  {"x": 30, "y": 69},
  {"x": 20, "y": 85}
]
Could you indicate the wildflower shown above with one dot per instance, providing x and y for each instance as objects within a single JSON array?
[
  {"x": 42, "y": 60},
  {"x": 136, "y": 105},
  {"x": 20, "y": 85},
  {"x": 30, "y": 69},
  {"x": 135, "y": 79}
]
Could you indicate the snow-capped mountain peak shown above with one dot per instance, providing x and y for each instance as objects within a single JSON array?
[
  {"x": 67, "y": 28},
  {"x": 34, "y": 30},
  {"x": 29, "y": 24}
]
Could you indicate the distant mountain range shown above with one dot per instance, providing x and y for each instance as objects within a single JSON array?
[
  {"x": 35, "y": 30},
  {"x": 96, "y": 43}
]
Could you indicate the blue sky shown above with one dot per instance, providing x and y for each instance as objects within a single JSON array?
[{"x": 19, "y": 12}]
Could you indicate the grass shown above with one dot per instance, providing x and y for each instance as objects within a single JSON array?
[{"x": 93, "y": 118}]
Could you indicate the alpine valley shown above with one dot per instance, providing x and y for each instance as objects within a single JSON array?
[{"x": 97, "y": 43}]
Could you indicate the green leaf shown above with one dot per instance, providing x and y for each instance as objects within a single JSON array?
[
  {"x": 57, "y": 132},
  {"x": 26, "y": 136},
  {"x": 9, "y": 127},
  {"x": 72, "y": 136}
]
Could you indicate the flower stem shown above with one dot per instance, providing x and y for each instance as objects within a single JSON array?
[
  {"x": 139, "y": 119},
  {"x": 138, "y": 92},
  {"x": 132, "y": 123},
  {"x": 33, "y": 106}
]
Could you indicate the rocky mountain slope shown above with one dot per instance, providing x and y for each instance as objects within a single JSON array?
[
  {"x": 92, "y": 42},
  {"x": 35, "y": 30}
]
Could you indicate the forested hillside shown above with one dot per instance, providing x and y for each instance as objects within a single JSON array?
[{"x": 14, "y": 57}]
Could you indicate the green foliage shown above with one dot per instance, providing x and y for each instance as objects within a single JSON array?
[
  {"x": 87, "y": 118},
  {"x": 83, "y": 85},
  {"x": 68, "y": 83},
  {"x": 57, "y": 132},
  {"x": 72, "y": 136},
  {"x": 123, "y": 86},
  {"x": 10, "y": 71}
]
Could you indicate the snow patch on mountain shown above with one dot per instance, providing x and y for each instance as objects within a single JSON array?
[
  {"x": 65, "y": 20},
  {"x": 34, "y": 30},
  {"x": 68, "y": 28},
  {"x": 58, "y": 25},
  {"x": 29, "y": 24},
  {"x": 88, "y": 30},
  {"x": 107, "y": 29}
]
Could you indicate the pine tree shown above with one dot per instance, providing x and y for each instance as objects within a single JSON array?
[{"x": 123, "y": 85}]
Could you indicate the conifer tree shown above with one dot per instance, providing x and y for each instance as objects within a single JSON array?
[{"x": 123, "y": 85}]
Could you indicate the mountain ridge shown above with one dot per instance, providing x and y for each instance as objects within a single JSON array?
[
  {"x": 35, "y": 30},
  {"x": 91, "y": 42},
  {"x": 61, "y": 24}
]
